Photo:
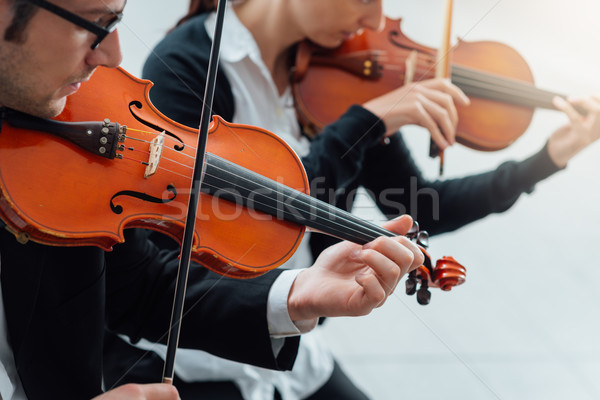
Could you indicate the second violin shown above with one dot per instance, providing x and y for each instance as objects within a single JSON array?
[{"x": 497, "y": 79}]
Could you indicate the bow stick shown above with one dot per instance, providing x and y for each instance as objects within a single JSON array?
[
  {"x": 442, "y": 70},
  {"x": 192, "y": 210}
]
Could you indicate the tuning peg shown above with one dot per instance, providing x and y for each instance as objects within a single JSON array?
[
  {"x": 413, "y": 231},
  {"x": 411, "y": 284},
  {"x": 423, "y": 294},
  {"x": 423, "y": 239}
]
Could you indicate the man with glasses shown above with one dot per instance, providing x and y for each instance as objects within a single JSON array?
[
  {"x": 55, "y": 301},
  {"x": 101, "y": 27}
]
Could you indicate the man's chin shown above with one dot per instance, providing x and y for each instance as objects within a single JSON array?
[{"x": 54, "y": 108}]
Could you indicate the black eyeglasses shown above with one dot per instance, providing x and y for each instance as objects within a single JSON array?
[{"x": 100, "y": 31}]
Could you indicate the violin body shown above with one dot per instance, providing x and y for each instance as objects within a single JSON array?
[
  {"x": 56, "y": 193},
  {"x": 495, "y": 77}
]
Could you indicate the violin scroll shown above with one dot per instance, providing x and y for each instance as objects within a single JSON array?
[{"x": 446, "y": 273}]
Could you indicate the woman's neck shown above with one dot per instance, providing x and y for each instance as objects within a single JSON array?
[{"x": 275, "y": 33}]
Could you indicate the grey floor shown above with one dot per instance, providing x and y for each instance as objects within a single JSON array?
[{"x": 525, "y": 324}]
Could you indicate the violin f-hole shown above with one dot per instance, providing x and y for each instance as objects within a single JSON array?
[
  {"x": 150, "y": 125},
  {"x": 117, "y": 209}
]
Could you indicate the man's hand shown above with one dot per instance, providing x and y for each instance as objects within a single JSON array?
[
  {"x": 351, "y": 280},
  {"x": 153, "y": 391}
]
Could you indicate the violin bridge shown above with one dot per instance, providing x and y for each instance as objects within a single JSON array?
[
  {"x": 411, "y": 65},
  {"x": 156, "y": 147}
]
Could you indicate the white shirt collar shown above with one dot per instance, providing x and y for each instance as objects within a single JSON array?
[{"x": 237, "y": 42}]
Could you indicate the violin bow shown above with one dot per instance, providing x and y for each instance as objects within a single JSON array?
[
  {"x": 192, "y": 210},
  {"x": 442, "y": 69}
]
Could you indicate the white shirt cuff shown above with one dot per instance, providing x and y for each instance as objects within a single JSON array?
[{"x": 278, "y": 317}]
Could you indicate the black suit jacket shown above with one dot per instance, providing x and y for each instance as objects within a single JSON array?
[{"x": 58, "y": 300}]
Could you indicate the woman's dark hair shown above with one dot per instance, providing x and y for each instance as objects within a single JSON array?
[
  {"x": 22, "y": 13},
  {"x": 198, "y": 7}
]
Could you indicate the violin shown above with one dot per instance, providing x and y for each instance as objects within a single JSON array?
[
  {"x": 493, "y": 75},
  {"x": 101, "y": 167}
]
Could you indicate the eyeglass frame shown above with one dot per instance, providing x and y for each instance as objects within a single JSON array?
[{"x": 100, "y": 31}]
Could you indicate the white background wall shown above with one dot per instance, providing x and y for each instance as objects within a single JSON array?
[{"x": 525, "y": 324}]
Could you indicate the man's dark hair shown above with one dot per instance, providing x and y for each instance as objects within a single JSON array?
[{"x": 22, "y": 13}]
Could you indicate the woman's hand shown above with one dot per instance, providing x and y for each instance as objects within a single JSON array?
[
  {"x": 429, "y": 103},
  {"x": 581, "y": 131}
]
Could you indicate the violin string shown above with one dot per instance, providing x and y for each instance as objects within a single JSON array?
[
  {"x": 513, "y": 84},
  {"x": 147, "y": 153},
  {"x": 136, "y": 150},
  {"x": 478, "y": 83},
  {"x": 160, "y": 167},
  {"x": 485, "y": 85},
  {"x": 137, "y": 139},
  {"x": 486, "y": 82},
  {"x": 164, "y": 146},
  {"x": 133, "y": 159},
  {"x": 349, "y": 227},
  {"x": 510, "y": 91},
  {"x": 140, "y": 130},
  {"x": 509, "y": 88},
  {"x": 274, "y": 209},
  {"x": 350, "y": 233},
  {"x": 154, "y": 133},
  {"x": 306, "y": 203}
]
